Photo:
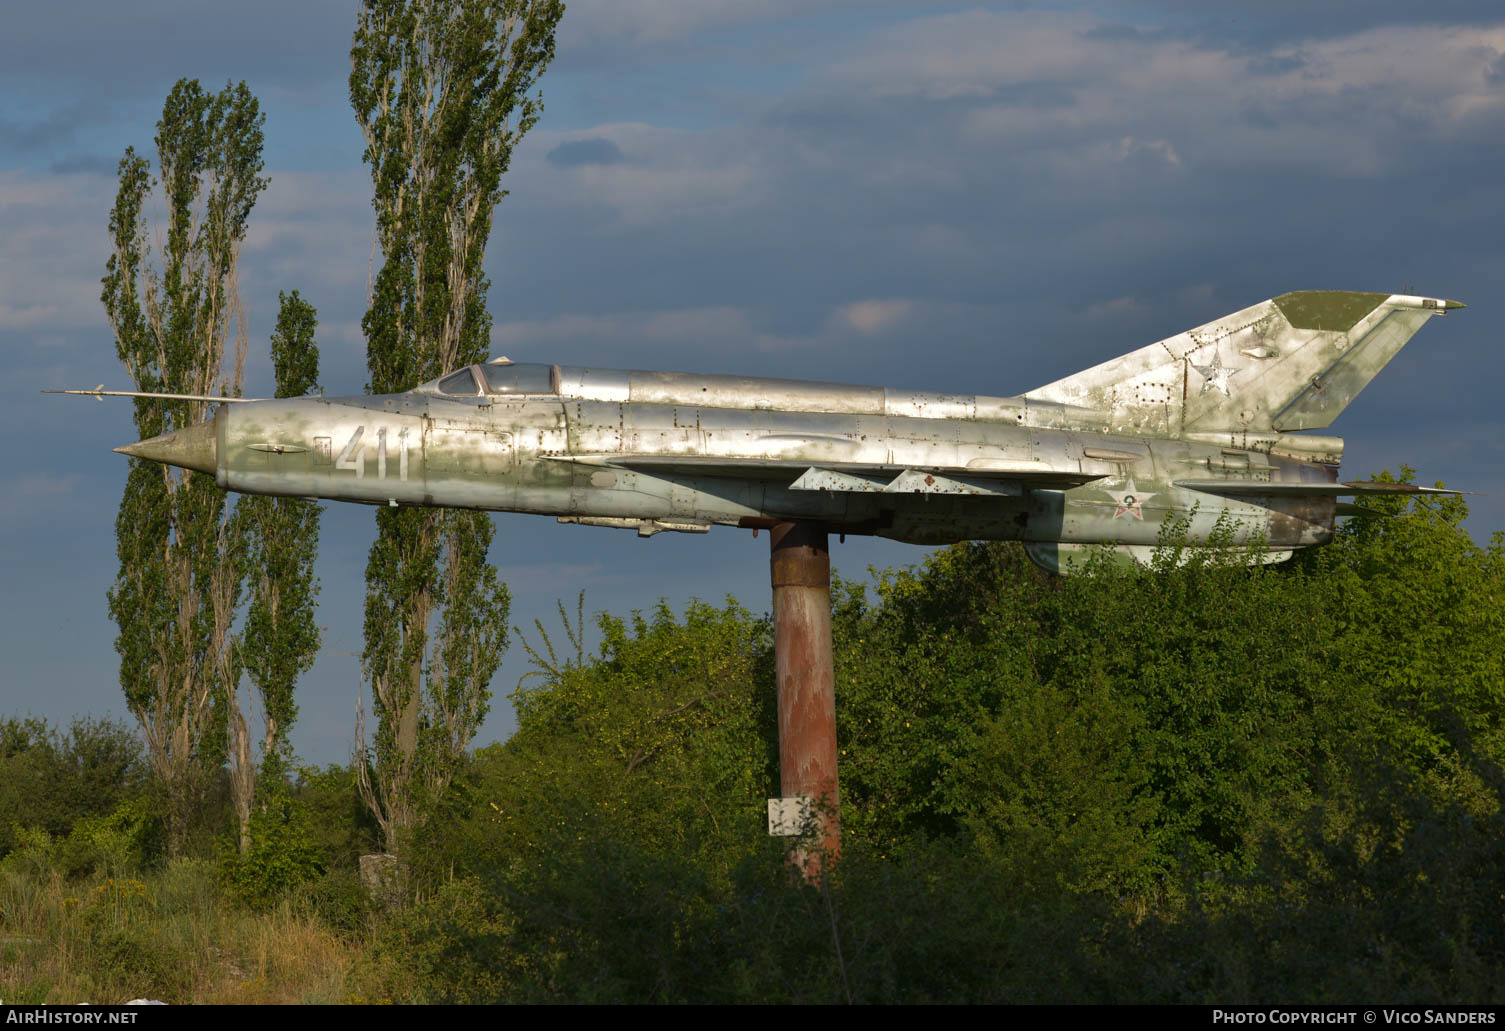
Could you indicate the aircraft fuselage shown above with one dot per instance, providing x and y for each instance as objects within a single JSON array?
[{"x": 591, "y": 460}]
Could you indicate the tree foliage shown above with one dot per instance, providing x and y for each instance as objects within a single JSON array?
[
  {"x": 173, "y": 307},
  {"x": 442, "y": 90},
  {"x": 280, "y": 636}
]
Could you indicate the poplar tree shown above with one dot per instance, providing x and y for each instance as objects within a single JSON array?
[
  {"x": 173, "y": 306},
  {"x": 280, "y": 636},
  {"x": 442, "y": 90}
]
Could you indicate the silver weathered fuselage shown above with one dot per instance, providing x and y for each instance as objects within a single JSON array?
[{"x": 584, "y": 454}]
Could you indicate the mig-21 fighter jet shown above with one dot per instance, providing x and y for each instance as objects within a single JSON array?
[{"x": 1207, "y": 424}]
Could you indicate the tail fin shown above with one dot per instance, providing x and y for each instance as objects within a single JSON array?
[{"x": 1291, "y": 363}]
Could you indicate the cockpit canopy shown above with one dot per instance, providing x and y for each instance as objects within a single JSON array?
[{"x": 499, "y": 376}]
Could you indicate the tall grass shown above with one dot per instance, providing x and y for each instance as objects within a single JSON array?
[{"x": 168, "y": 935}]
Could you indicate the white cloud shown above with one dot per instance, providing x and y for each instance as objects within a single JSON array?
[
  {"x": 53, "y": 245},
  {"x": 663, "y": 175},
  {"x": 682, "y": 326},
  {"x": 595, "y": 22},
  {"x": 693, "y": 336},
  {"x": 723, "y": 339},
  {"x": 312, "y": 232},
  {"x": 22, "y": 316},
  {"x": 37, "y": 489},
  {"x": 619, "y": 22},
  {"x": 1114, "y": 308},
  {"x": 1129, "y": 146},
  {"x": 975, "y": 54},
  {"x": 1039, "y": 81},
  {"x": 877, "y": 316}
]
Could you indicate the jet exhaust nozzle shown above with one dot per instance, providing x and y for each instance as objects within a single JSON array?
[{"x": 192, "y": 448}]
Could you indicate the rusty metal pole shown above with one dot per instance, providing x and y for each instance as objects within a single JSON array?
[{"x": 800, "y": 564}]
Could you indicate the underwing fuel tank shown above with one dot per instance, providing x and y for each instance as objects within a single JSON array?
[{"x": 1206, "y": 430}]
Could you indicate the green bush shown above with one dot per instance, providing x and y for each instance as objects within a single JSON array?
[
  {"x": 341, "y": 826},
  {"x": 50, "y": 779},
  {"x": 339, "y": 899},
  {"x": 139, "y": 961},
  {"x": 33, "y": 852},
  {"x": 457, "y": 946},
  {"x": 128, "y": 840},
  {"x": 282, "y": 854}
]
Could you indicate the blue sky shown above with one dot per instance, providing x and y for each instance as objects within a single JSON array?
[{"x": 976, "y": 198}]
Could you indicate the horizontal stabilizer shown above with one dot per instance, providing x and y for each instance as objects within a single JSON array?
[
  {"x": 1252, "y": 488},
  {"x": 1345, "y": 508}
]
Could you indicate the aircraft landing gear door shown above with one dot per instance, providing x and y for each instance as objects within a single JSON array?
[{"x": 468, "y": 466}]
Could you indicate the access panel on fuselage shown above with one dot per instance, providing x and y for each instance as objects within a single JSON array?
[
  {"x": 468, "y": 463},
  {"x": 538, "y": 433}
]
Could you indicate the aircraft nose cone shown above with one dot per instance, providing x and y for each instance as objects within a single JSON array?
[{"x": 192, "y": 448}]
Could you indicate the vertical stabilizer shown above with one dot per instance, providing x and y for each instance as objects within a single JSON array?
[{"x": 1290, "y": 363}]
